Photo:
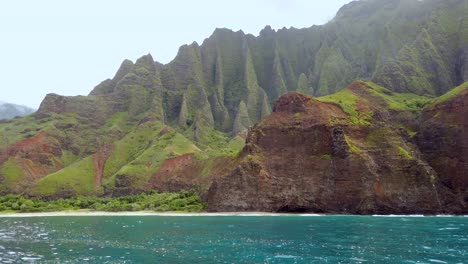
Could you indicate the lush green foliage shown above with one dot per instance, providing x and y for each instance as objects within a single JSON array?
[
  {"x": 186, "y": 201},
  {"x": 348, "y": 102},
  {"x": 76, "y": 179},
  {"x": 403, "y": 152},
  {"x": 399, "y": 101},
  {"x": 451, "y": 94}
]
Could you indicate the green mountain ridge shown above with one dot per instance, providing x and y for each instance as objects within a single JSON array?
[
  {"x": 407, "y": 46},
  {"x": 182, "y": 125}
]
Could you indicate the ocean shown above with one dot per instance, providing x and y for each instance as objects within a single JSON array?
[{"x": 234, "y": 239}]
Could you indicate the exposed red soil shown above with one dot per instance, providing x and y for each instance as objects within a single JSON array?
[
  {"x": 99, "y": 160},
  {"x": 185, "y": 172},
  {"x": 36, "y": 157}
]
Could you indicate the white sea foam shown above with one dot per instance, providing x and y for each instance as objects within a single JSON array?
[
  {"x": 286, "y": 256},
  {"x": 449, "y": 228},
  {"x": 30, "y": 259},
  {"x": 393, "y": 215},
  {"x": 358, "y": 259},
  {"x": 437, "y": 261},
  {"x": 310, "y": 214}
]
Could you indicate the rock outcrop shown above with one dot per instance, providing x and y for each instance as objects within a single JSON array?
[
  {"x": 443, "y": 140},
  {"x": 309, "y": 156}
]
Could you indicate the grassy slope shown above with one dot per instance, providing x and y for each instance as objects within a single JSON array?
[
  {"x": 76, "y": 179},
  {"x": 348, "y": 100},
  {"x": 11, "y": 174},
  {"x": 399, "y": 101},
  {"x": 18, "y": 129},
  {"x": 140, "y": 156},
  {"x": 372, "y": 96},
  {"x": 450, "y": 94}
]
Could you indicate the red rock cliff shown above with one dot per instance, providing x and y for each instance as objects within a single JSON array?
[{"x": 309, "y": 157}]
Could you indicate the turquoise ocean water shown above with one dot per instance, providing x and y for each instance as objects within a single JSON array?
[{"x": 234, "y": 239}]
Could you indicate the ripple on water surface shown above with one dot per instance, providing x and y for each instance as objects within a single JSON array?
[{"x": 228, "y": 239}]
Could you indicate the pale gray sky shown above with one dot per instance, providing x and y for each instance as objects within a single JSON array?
[{"x": 68, "y": 47}]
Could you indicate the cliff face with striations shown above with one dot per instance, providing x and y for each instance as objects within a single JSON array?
[
  {"x": 311, "y": 156},
  {"x": 443, "y": 139}
]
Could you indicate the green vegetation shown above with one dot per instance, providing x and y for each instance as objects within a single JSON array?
[
  {"x": 11, "y": 172},
  {"x": 215, "y": 143},
  {"x": 399, "y": 101},
  {"x": 355, "y": 149},
  {"x": 348, "y": 102},
  {"x": 10, "y": 176},
  {"x": 303, "y": 85},
  {"x": 186, "y": 201},
  {"x": 18, "y": 129},
  {"x": 76, "y": 179},
  {"x": 404, "y": 153},
  {"x": 451, "y": 94},
  {"x": 117, "y": 120},
  {"x": 377, "y": 137},
  {"x": 139, "y": 154}
]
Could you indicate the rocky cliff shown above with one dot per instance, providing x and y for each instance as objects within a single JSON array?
[
  {"x": 443, "y": 139},
  {"x": 310, "y": 155}
]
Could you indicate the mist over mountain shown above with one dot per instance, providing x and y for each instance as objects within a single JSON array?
[{"x": 8, "y": 110}]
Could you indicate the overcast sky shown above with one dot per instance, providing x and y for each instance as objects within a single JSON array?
[{"x": 68, "y": 47}]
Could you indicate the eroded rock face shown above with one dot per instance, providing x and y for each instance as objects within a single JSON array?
[
  {"x": 443, "y": 140},
  {"x": 185, "y": 172},
  {"x": 96, "y": 109},
  {"x": 462, "y": 65},
  {"x": 310, "y": 158}
]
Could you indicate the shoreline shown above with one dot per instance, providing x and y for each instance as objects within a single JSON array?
[
  {"x": 142, "y": 213},
  {"x": 185, "y": 214}
]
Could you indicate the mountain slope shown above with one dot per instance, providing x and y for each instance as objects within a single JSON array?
[{"x": 8, "y": 110}]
